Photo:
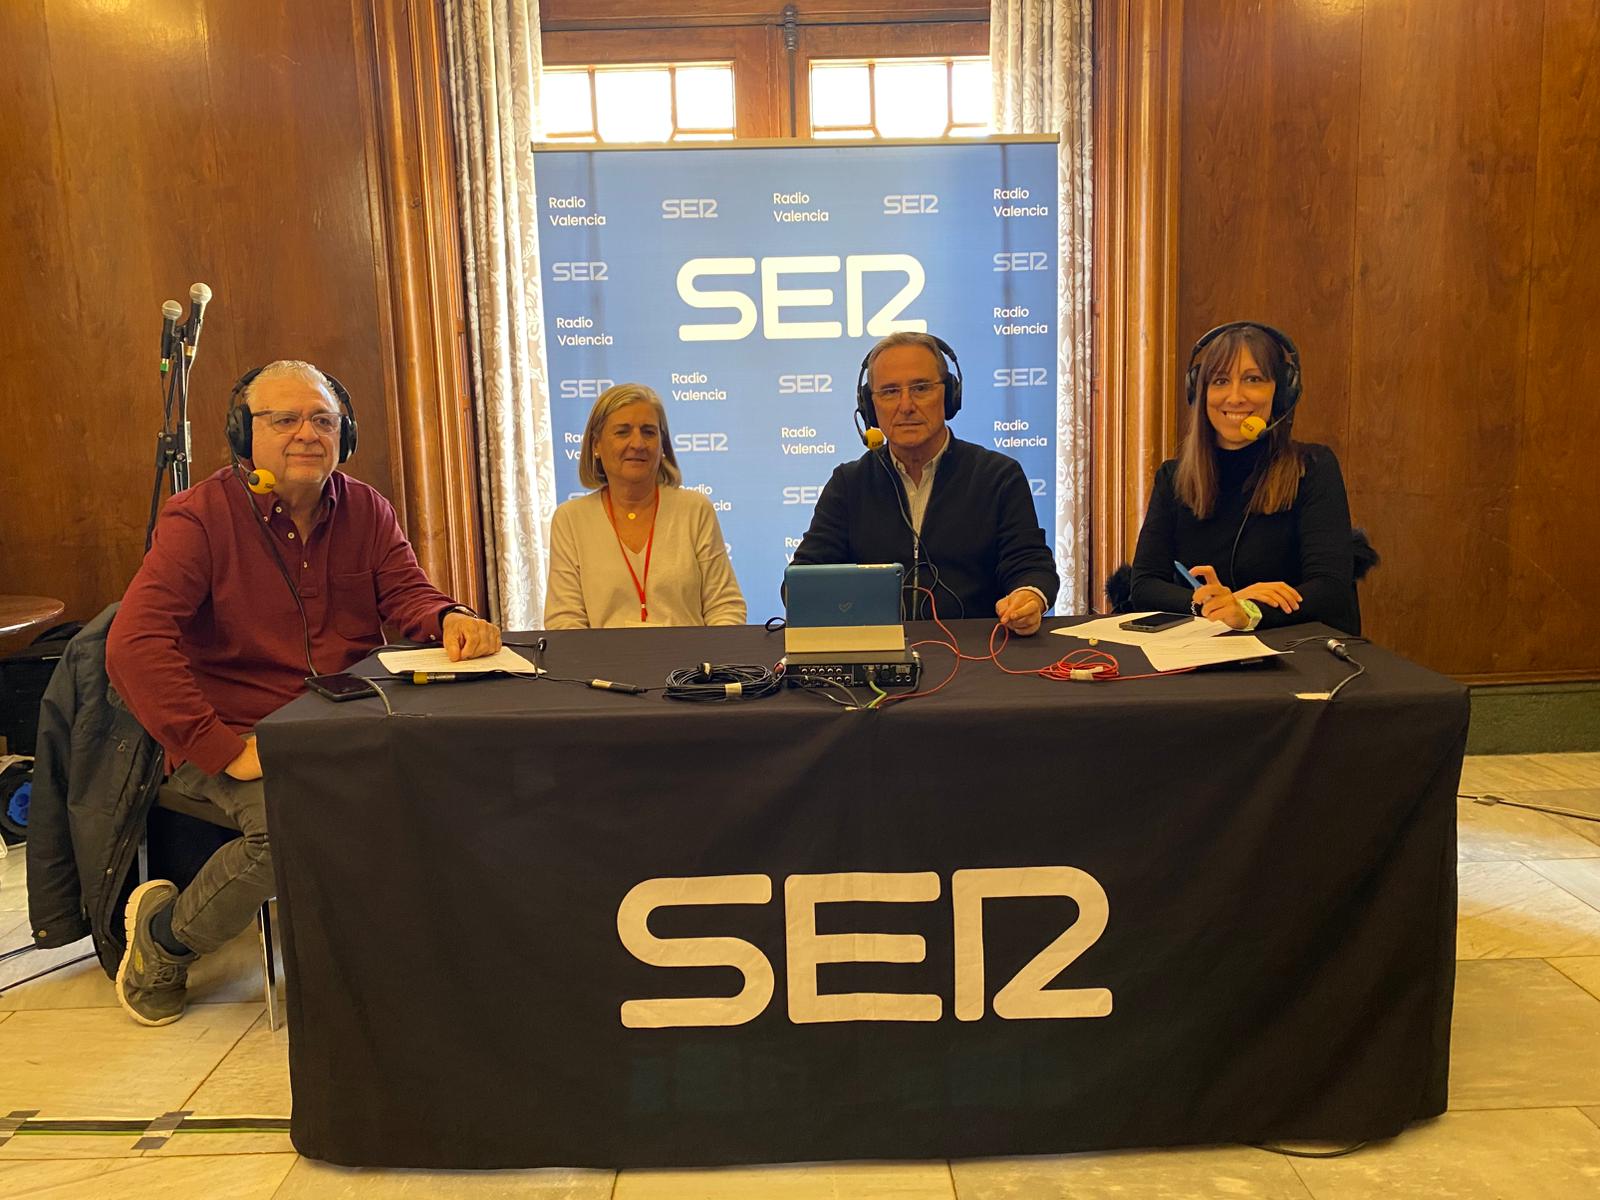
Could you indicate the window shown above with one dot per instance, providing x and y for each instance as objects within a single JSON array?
[
  {"x": 900, "y": 97},
  {"x": 669, "y": 102}
]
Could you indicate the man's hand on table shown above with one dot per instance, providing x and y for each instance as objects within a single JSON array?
[
  {"x": 465, "y": 636},
  {"x": 1021, "y": 612}
]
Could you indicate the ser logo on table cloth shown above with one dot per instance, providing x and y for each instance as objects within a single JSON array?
[{"x": 1024, "y": 997}]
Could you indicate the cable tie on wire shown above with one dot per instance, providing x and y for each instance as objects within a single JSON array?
[
  {"x": 731, "y": 689},
  {"x": 1083, "y": 673}
]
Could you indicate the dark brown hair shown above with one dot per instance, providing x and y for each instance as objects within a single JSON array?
[{"x": 1277, "y": 479}]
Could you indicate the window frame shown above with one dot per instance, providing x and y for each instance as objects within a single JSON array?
[
  {"x": 871, "y": 132},
  {"x": 681, "y": 135},
  {"x": 854, "y": 43},
  {"x": 755, "y": 85}
]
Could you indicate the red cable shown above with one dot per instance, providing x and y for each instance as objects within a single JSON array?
[{"x": 1085, "y": 664}]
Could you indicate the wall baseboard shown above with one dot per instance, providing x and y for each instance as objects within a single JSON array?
[{"x": 1546, "y": 718}]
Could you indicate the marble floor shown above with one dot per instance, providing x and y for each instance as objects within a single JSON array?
[{"x": 1524, "y": 1117}]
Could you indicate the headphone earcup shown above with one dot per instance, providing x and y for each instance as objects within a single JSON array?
[
  {"x": 869, "y": 416},
  {"x": 952, "y": 396},
  {"x": 1291, "y": 384},
  {"x": 347, "y": 417},
  {"x": 238, "y": 430},
  {"x": 238, "y": 425}
]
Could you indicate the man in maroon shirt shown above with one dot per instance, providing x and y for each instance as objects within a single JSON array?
[{"x": 220, "y": 628}]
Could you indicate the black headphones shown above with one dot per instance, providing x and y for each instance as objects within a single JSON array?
[
  {"x": 952, "y": 385},
  {"x": 1288, "y": 393},
  {"x": 240, "y": 426}
]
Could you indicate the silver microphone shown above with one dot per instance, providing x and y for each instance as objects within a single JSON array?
[{"x": 199, "y": 297}]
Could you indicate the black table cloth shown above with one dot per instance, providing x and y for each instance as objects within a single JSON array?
[{"x": 1017, "y": 916}]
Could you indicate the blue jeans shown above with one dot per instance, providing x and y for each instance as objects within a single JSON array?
[{"x": 235, "y": 881}]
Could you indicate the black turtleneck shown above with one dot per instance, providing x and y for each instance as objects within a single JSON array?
[{"x": 1306, "y": 546}]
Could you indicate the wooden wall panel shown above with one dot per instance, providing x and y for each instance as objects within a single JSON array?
[
  {"x": 1427, "y": 230},
  {"x": 1270, "y": 112},
  {"x": 153, "y": 145},
  {"x": 1554, "y": 526},
  {"x": 1444, "y": 221},
  {"x": 291, "y": 162}
]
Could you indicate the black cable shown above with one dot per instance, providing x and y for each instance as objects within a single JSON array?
[
  {"x": 283, "y": 568},
  {"x": 1357, "y": 673},
  {"x": 919, "y": 549},
  {"x": 724, "y": 681},
  {"x": 1234, "y": 553},
  {"x": 1317, "y": 637},
  {"x": 814, "y": 684},
  {"x": 1284, "y": 1150},
  {"x": 161, "y": 456},
  {"x": 1488, "y": 798}
]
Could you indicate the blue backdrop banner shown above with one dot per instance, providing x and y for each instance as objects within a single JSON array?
[{"x": 745, "y": 284}]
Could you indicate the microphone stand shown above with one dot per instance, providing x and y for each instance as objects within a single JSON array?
[{"x": 174, "y": 448}]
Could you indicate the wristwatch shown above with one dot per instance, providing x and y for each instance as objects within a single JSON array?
[
  {"x": 1253, "y": 611},
  {"x": 460, "y": 608}
]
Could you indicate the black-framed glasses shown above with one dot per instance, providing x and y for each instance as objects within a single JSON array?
[
  {"x": 920, "y": 390},
  {"x": 283, "y": 422}
]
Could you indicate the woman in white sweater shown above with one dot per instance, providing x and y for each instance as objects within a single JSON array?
[{"x": 639, "y": 549}]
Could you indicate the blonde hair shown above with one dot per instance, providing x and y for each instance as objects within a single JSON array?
[{"x": 590, "y": 473}]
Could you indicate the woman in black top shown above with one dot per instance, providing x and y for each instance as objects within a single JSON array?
[{"x": 1260, "y": 519}]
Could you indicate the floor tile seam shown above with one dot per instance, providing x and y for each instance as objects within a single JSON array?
[
  {"x": 1580, "y": 899},
  {"x": 189, "y": 1099}
]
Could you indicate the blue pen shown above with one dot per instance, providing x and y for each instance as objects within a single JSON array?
[{"x": 1188, "y": 575}]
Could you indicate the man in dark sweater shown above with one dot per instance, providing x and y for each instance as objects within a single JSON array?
[{"x": 959, "y": 517}]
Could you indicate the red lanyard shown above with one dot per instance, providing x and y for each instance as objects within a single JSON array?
[{"x": 650, "y": 545}]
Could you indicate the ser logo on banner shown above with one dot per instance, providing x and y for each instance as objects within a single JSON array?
[
  {"x": 700, "y": 443},
  {"x": 578, "y": 272},
  {"x": 1026, "y": 996},
  {"x": 1021, "y": 377},
  {"x": 584, "y": 389},
  {"x": 694, "y": 209},
  {"x": 1022, "y": 260},
  {"x": 907, "y": 205},
  {"x": 805, "y": 385},
  {"x": 776, "y": 298}
]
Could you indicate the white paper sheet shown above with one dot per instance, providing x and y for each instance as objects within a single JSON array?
[
  {"x": 434, "y": 658},
  {"x": 1197, "y": 642},
  {"x": 1207, "y": 653},
  {"x": 1107, "y": 630}
]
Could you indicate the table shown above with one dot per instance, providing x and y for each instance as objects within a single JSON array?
[
  {"x": 23, "y": 612},
  {"x": 1246, "y": 908}
]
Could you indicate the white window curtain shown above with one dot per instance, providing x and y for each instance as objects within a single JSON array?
[
  {"x": 1040, "y": 53},
  {"x": 494, "y": 65}
]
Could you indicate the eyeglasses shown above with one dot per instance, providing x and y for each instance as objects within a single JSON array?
[
  {"x": 285, "y": 423},
  {"x": 919, "y": 390}
]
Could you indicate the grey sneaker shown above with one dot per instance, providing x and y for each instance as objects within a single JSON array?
[{"x": 151, "y": 984}]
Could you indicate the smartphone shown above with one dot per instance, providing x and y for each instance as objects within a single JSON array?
[
  {"x": 340, "y": 687},
  {"x": 1154, "y": 622}
]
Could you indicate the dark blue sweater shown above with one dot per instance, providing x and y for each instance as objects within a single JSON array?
[{"x": 980, "y": 536}]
